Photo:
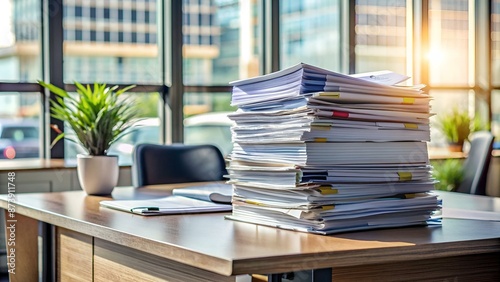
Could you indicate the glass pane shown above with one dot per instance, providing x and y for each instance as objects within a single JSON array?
[
  {"x": 443, "y": 102},
  {"x": 145, "y": 130},
  {"x": 206, "y": 121},
  {"x": 20, "y": 131},
  {"x": 381, "y": 36},
  {"x": 495, "y": 42},
  {"x": 20, "y": 41},
  {"x": 449, "y": 49},
  {"x": 112, "y": 41},
  {"x": 220, "y": 41},
  {"x": 310, "y": 33}
]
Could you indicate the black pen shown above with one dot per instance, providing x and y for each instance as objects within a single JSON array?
[{"x": 145, "y": 209}]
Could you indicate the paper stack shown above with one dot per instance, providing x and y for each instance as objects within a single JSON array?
[{"x": 322, "y": 152}]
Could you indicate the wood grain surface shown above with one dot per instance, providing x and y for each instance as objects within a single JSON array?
[
  {"x": 24, "y": 251},
  {"x": 210, "y": 242},
  {"x": 74, "y": 256}
]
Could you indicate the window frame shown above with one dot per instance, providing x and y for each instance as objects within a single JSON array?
[{"x": 172, "y": 88}]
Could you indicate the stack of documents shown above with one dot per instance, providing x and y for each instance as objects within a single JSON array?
[{"x": 323, "y": 152}]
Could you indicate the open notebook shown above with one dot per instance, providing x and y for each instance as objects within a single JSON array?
[{"x": 195, "y": 199}]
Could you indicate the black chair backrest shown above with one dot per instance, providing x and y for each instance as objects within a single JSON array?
[
  {"x": 177, "y": 163},
  {"x": 477, "y": 164}
]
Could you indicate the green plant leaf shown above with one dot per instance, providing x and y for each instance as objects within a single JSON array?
[
  {"x": 449, "y": 173},
  {"x": 58, "y": 137},
  {"x": 54, "y": 89},
  {"x": 456, "y": 126}
]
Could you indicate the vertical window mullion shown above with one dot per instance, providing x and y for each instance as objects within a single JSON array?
[
  {"x": 482, "y": 53},
  {"x": 270, "y": 34},
  {"x": 161, "y": 32},
  {"x": 422, "y": 7},
  {"x": 175, "y": 70},
  {"x": 52, "y": 45},
  {"x": 351, "y": 21}
]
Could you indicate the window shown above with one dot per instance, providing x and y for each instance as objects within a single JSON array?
[
  {"x": 310, "y": 34},
  {"x": 118, "y": 42},
  {"x": 213, "y": 53},
  {"x": 20, "y": 41},
  {"x": 78, "y": 35},
  {"x": 134, "y": 16},
  {"x": 380, "y": 38},
  {"x": 78, "y": 11},
  {"x": 97, "y": 63},
  {"x": 449, "y": 43},
  {"x": 206, "y": 121},
  {"x": 495, "y": 44},
  {"x": 20, "y": 125}
]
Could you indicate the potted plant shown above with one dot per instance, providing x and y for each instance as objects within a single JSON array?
[
  {"x": 456, "y": 127},
  {"x": 449, "y": 173},
  {"x": 98, "y": 117}
]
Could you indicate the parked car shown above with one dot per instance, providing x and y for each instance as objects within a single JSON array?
[
  {"x": 19, "y": 139},
  {"x": 143, "y": 131},
  {"x": 208, "y": 128}
]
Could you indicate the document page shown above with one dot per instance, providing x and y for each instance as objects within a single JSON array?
[{"x": 167, "y": 205}]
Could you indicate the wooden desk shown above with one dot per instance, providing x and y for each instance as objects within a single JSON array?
[{"x": 99, "y": 244}]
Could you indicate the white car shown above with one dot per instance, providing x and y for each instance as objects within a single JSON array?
[{"x": 209, "y": 128}]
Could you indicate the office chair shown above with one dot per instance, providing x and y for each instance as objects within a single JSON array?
[
  {"x": 178, "y": 163},
  {"x": 477, "y": 164}
]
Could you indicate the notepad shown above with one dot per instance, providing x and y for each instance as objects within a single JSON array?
[{"x": 202, "y": 199}]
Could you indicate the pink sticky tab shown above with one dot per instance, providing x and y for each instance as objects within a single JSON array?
[{"x": 340, "y": 114}]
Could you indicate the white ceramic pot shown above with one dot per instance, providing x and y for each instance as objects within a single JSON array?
[{"x": 98, "y": 175}]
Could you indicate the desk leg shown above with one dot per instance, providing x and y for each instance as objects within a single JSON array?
[
  {"x": 21, "y": 234},
  {"x": 324, "y": 274},
  {"x": 316, "y": 275},
  {"x": 274, "y": 277},
  {"x": 48, "y": 234}
]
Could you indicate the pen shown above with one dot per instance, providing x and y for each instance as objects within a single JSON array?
[{"x": 145, "y": 209}]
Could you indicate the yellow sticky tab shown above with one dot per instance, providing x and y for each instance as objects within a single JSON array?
[
  {"x": 411, "y": 126},
  {"x": 320, "y": 140},
  {"x": 327, "y": 208},
  {"x": 408, "y": 100},
  {"x": 321, "y": 127},
  {"x": 253, "y": 202},
  {"x": 327, "y": 191},
  {"x": 409, "y": 196},
  {"x": 404, "y": 176},
  {"x": 329, "y": 94}
]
